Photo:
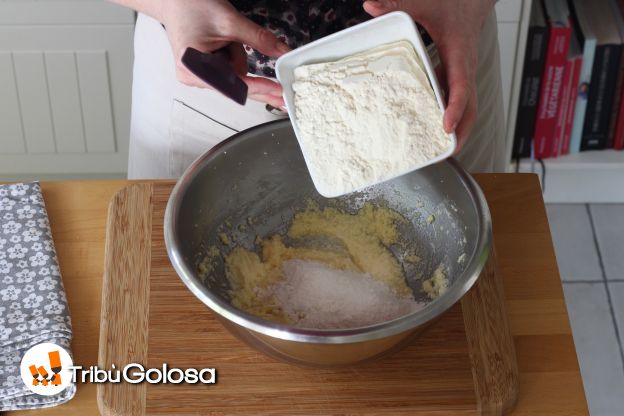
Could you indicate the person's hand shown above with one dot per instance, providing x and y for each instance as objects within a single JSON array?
[
  {"x": 208, "y": 25},
  {"x": 454, "y": 26}
]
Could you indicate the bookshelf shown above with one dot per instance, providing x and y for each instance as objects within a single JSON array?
[{"x": 584, "y": 177}]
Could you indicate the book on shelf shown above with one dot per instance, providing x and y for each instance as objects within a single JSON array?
[
  {"x": 534, "y": 58},
  {"x": 587, "y": 41},
  {"x": 617, "y": 139},
  {"x": 604, "y": 77},
  {"x": 566, "y": 114},
  {"x": 560, "y": 31},
  {"x": 615, "y": 107},
  {"x": 560, "y": 120}
]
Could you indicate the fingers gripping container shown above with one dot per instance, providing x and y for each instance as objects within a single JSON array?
[{"x": 389, "y": 28}]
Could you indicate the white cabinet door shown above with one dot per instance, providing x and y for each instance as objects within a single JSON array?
[
  {"x": 513, "y": 21},
  {"x": 508, "y": 15},
  {"x": 507, "y": 41},
  {"x": 509, "y": 10},
  {"x": 65, "y": 83}
]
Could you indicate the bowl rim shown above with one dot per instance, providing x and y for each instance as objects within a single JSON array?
[{"x": 323, "y": 336}]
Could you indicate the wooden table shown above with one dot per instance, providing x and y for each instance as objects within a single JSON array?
[{"x": 550, "y": 381}]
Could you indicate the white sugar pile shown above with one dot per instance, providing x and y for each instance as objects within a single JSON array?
[{"x": 313, "y": 295}]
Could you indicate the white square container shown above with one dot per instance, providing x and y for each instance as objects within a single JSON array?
[{"x": 389, "y": 28}]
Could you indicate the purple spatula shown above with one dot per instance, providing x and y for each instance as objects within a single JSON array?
[{"x": 215, "y": 69}]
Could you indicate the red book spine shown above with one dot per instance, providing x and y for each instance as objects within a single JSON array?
[
  {"x": 563, "y": 109},
  {"x": 550, "y": 93},
  {"x": 577, "y": 63},
  {"x": 618, "y": 138}
]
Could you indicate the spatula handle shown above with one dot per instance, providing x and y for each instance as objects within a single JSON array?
[{"x": 215, "y": 69}]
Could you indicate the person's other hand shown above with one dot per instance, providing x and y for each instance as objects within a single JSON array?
[
  {"x": 454, "y": 26},
  {"x": 209, "y": 25}
]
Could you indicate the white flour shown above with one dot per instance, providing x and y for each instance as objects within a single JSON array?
[
  {"x": 313, "y": 295},
  {"x": 367, "y": 118}
]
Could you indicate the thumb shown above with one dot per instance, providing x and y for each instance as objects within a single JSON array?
[
  {"x": 378, "y": 7},
  {"x": 259, "y": 38},
  {"x": 459, "y": 86}
]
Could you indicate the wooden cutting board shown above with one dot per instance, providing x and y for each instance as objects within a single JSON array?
[{"x": 463, "y": 364}]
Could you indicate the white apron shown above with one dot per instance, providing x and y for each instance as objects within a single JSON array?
[{"x": 172, "y": 124}]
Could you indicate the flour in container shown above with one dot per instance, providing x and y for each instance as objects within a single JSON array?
[{"x": 367, "y": 118}]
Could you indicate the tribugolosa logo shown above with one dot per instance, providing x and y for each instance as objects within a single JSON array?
[
  {"x": 55, "y": 366},
  {"x": 46, "y": 369}
]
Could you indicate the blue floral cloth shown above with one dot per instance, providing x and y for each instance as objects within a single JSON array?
[{"x": 33, "y": 307}]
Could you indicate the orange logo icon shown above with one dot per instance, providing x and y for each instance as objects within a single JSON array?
[{"x": 55, "y": 367}]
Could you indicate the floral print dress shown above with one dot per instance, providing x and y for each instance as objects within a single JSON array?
[{"x": 297, "y": 23}]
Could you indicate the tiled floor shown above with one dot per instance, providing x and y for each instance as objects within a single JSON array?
[{"x": 589, "y": 242}]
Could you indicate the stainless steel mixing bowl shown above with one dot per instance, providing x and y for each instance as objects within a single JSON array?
[{"x": 260, "y": 174}]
